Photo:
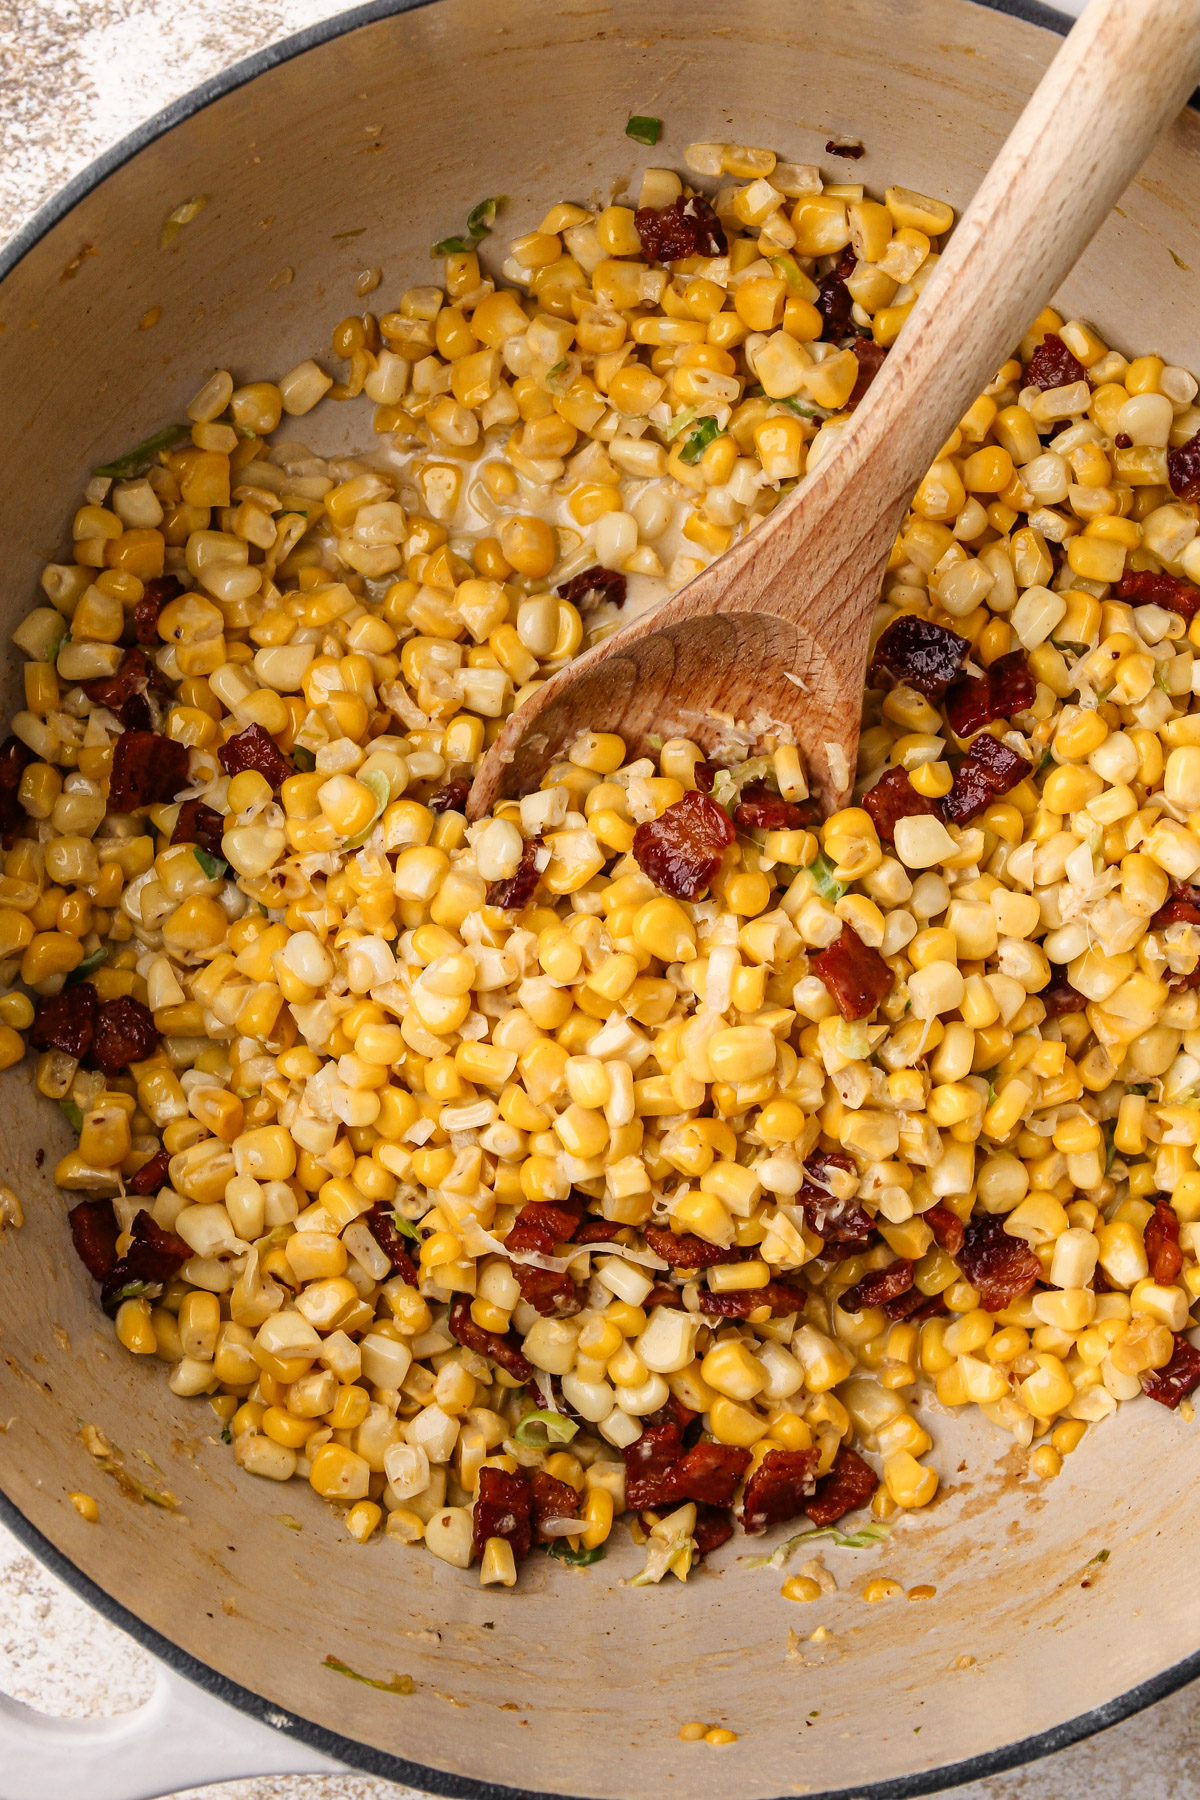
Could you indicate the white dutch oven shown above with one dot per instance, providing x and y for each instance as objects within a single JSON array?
[{"x": 571, "y": 1684}]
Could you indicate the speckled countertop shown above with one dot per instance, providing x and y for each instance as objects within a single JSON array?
[{"x": 75, "y": 76}]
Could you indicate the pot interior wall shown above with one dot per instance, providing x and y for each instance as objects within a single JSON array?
[{"x": 360, "y": 152}]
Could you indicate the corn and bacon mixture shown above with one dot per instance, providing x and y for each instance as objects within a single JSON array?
[{"x": 651, "y": 1145}]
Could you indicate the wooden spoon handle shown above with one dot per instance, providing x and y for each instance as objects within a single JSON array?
[{"x": 1122, "y": 75}]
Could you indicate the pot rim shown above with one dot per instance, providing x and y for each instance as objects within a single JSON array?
[{"x": 351, "y": 1751}]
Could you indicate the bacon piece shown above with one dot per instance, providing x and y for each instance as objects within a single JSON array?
[
  {"x": 989, "y": 769},
  {"x": 542, "y": 1224},
  {"x": 555, "y": 1296},
  {"x": 94, "y": 1232},
  {"x": 1052, "y": 365},
  {"x": 922, "y": 655},
  {"x": 15, "y": 758},
  {"x": 115, "y": 691},
  {"x": 778, "y": 1488},
  {"x": 870, "y": 360},
  {"x": 595, "y": 1231},
  {"x": 662, "y": 1294},
  {"x": 714, "y": 1527},
  {"x": 1060, "y": 997},
  {"x": 1143, "y": 587},
  {"x": 704, "y": 774},
  {"x": 739, "y": 1303},
  {"x": 683, "y": 1250},
  {"x": 848, "y": 1485},
  {"x": 758, "y": 809},
  {"x": 946, "y": 1227},
  {"x": 1181, "y": 908},
  {"x": 158, "y": 593},
  {"x": 67, "y": 1022},
  {"x": 199, "y": 824},
  {"x": 153, "y": 1256},
  {"x": 255, "y": 748},
  {"x": 151, "y": 1176},
  {"x": 681, "y": 850},
  {"x": 552, "y": 1499},
  {"x": 894, "y": 798},
  {"x": 502, "y": 1349},
  {"x": 125, "y": 1033},
  {"x": 879, "y": 1286},
  {"x": 685, "y": 228},
  {"x": 515, "y": 894},
  {"x": 1007, "y": 688},
  {"x": 856, "y": 976},
  {"x": 1178, "y": 1379},
  {"x": 594, "y": 586},
  {"x": 915, "y": 1306},
  {"x": 1162, "y": 1243},
  {"x": 148, "y": 770},
  {"x": 708, "y": 1473},
  {"x": 1000, "y": 1266},
  {"x": 650, "y": 1461},
  {"x": 452, "y": 797},
  {"x": 833, "y": 148},
  {"x": 381, "y": 1223},
  {"x": 1183, "y": 469},
  {"x": 502, "y": 1509},
  {"x": 834, "y": 302}
]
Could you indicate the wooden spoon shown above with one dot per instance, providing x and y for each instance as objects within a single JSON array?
[{"x": 774, "y": 634}]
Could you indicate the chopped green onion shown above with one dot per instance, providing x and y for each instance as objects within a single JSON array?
[
  {"x": 864, "y": 1539},
  {"x": 82, "y": 970},
  {"x": 74, "y": 1116},
  {"x": 698, "y": 443},
  {"x": 212, "y": 865},
  {"x": 291, "y": 1523},
  {"x": 556, "y": 1428},
  {"x": 802, "y": 408},
  {"x": 679, "y": 423},
  {"x": 378, "y": 783},
  {"x": 337, "y": 236},
  {"x": 404, "y": 1226},
  {"x": 552, "y": 380},
  {"x": 824, "y": 880},
  {"x": 577, "y": 1559},
  {"x": 226, "y": 1435},
  {"x": 399, "y": 1684},
  {"x": 481, "y": 218},
  {"x": 643, "y": 130},
  {"x": 304, "y": 760},
  {"x": 132, "y": 1290},
  {"x": 136, "y": 461},
  {"x": 792, "y": 273},
  {"x": 453, "y": 246}
]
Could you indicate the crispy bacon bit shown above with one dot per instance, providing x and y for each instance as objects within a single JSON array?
[
  {"x": 915, "y": 1306},
  {"x": 381, "y": 1223},
  {"x": 94, "y": 1232},
  {"x": 552, "y": 1499},
  {"x": 544, "y": 1223},
  {"x": 15, "y": 758},
  {"x": 1178, "y": 1379},
  {"x": 660, "y": 1472},
  {"x": 894, "y": 798},
  {"x": 593, "y": 587},
  {"x": 199, "y": 824},
  {"x": 452, "y": 797},
  {"x": 1183, "y": 469},
  {"x": 946, "y": 1227},
  {"x": 1162, "y": 1243},
  {"x": 596, "y": 1231},
  {"x": 683, "y": 1250},
  {"x": 924, "y": 656},
  {"x": 854, "y": 151},
  {"x": 515, "y": 894},
  {"x": 1182, "y": 908},
  {"x": 989, "y": 769},
  {"x": 1000, "y": 1266},
  {"x": 1006, "y": 689},
  {"x": 758, "y": 809},
  {"x": 555, "y": 1296},
  {"x": 502, "y": 1349},
  {"x": 148, "y": 770},
  {"x": 855, "y": 975},
  {"x": 778, "y": 1488},
  {"x": 739, "y": 1303},
  {"x": 848, "y": 1485},
  {"x": 662, "y": 1294},
  {"x": 714, "y": 1527},
  {"x": 502, "y": 1510},
  {"x": 1060, "y": 997},
  {"x": 67, "y": 1022},
  {"x": 115, "y": 691},
  {"x": 870, "y": 360},
  {"x": 685, "y": 228},
  {"x": 1142, "y": 587},
  {"x": 125, "y": 1033},
  {"x": 153, "y": 1256},
  {"x": 1053, "y": 366},
  {"x": 681, "y": 850},
  {"x": 158, "y": 592},
  {"x": 879, "y": 1286},
  {"x": 843, "y": 1224},
  {"x": 834, "y": 303},
  {"x": 708, "y": 1473},
  {"x": 704, "y": 774},
  {"x": 255, "y": 748},
  {"x": 151, "y": 1176}
]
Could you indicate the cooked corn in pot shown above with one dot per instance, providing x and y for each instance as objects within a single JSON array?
[{"x": 651, "y": 1146}]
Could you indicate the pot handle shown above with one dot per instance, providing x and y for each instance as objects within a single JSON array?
[{"x": 181, "y": 1738}]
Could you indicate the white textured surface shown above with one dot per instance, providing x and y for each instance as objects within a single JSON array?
[{"x": 76, "y": 75}]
